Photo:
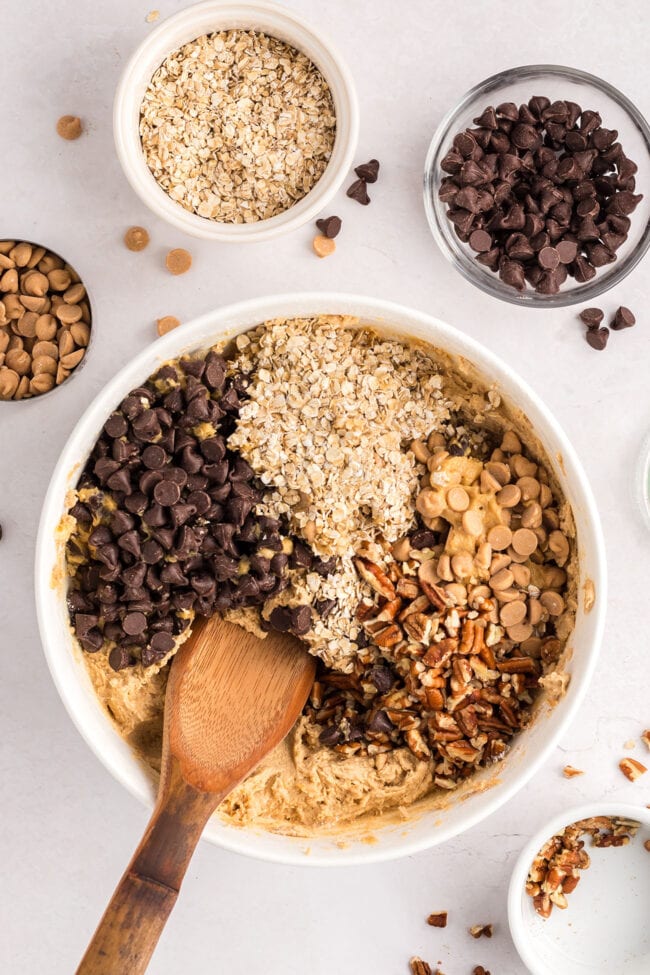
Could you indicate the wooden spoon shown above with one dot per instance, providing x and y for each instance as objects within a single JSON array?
[{"x": 231, "y": 698}]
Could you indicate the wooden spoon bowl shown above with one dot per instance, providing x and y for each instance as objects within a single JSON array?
[{"x": 231, "y": 698}]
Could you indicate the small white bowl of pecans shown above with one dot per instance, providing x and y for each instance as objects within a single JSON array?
[
  {"x": 235, "y": 121},
  {"x": 580, "y": 893}
]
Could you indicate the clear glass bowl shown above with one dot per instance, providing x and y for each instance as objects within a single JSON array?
[{"x": 519, "y": 85}]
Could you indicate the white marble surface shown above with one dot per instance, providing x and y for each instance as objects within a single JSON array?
[{"x": 67, "y": 827}]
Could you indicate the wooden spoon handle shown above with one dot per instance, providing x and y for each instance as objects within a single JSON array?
[{"x": 136, "y": 915}]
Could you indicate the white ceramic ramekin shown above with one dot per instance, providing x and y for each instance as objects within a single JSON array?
[
  {"x": 486, "y": 791},
  {"x": 605, "y": 927},
  {"x": 204, "y": 18}
]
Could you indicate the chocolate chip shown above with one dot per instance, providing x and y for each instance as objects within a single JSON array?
[
  {"x": 167, "y": 493},
  {"x": 380, "y": 723},
  {"x": 359, "y": 192},
  {"x": 120, "y": 657},
  {"x": 116, "y": 426},
  {"x": 512, "y": 273},
  {"x": 152, "y": 552},
  {"x": 368, "y": 171},
  {"x": 622, "y": 319},
  {"x": 281, "y": 618},
  {"x": 162, "y": 642},
  {"x": 301, "y": 620},
  {"x": 324, "y": 607},
  {"x": 592, "y": 317},
  {"x": 480, "y": 240},
  {"x": 381, "y": 677},
  {"x": 330, "y": 736},
  {"x": 134, "y": 623},
  {"x": 597, "y": 338},
  {"x": 567, "y": 250}
]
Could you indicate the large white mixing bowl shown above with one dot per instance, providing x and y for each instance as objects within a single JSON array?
[{"x": 427, "y": 827}]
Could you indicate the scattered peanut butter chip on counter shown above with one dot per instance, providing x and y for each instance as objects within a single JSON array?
[
  {"x": 167, "y": 324},
  {"x": 178, "y": 261},
  {"x": 569, "y": 772},
  {"x": 136, "y": 238},
  {"x": 323, "y": 246},
  {"x": 69, "y": 127}
]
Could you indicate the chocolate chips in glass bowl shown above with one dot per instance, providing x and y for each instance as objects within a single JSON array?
[
  {"x": 165, "y": 518},
  {"x": 540, "y": 192}
]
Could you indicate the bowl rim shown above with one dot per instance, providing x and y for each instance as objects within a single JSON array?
[
  {"x": 453, "y": 250},
  {"x": 559, "y": 821},
  {"x": 128, "y": 145},
  {"x": 221, "y": 321}
]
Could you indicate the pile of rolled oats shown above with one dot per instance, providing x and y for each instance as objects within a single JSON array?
[
  {"x": 237, "y": 126},
  {"x": 329, "y": 410}
]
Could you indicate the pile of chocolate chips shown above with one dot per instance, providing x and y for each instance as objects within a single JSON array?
[
  {"x": 184, "y": 535},
  {"x": 540, "y": 192}
]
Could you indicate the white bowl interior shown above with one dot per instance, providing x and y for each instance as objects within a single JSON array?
[
  {"x": 429, "y": 826},
  {"x": 605, "y": 927},
  {"x": 205, "y": 18}
]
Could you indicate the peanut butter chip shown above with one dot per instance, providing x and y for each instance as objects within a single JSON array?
[
  {"x": 458, "y": 499},
  {"x": 500, "y": 537},
  {"x": 502, "y": 580},
  {"x": 520, "y": 631},
  {"x": 69, "y": 127},
  {"x": 8, "y": 382},
  {"x": 166, "y": 324},
  {"x": 462, "y": 565},
  {"x": 529, "y": 488},
  {"x": 430, "y": 503},
  {"x": 509, "y": 496},
  {"x": 178, "y": 261},
  {"x": 513, "y": 613},
  {"x": 323, "y": 246},
  {"x": 473, "y": 522},
  {"x": 552, "y": 603},
  {"x": 524, "y": 541},
  {"x": 137, "y": 238}
]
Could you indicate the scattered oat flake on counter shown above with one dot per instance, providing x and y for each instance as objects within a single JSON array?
[
  {"x": 569, "y": 772},
  {"x": 438, "y": 919},
  {"x": 481, "y": 931},
  {"x": 632, "y": 769},
  {"x": 629, "y": 744},
  {"x": 69, "y": 127},
  {"x": 152, "y": 16}
]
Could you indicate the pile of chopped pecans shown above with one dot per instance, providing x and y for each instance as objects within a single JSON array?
[
  {"x": 456, "y": 644},
  {"x": 237, "y": 126},
  {"x": 555, "y": 870}
]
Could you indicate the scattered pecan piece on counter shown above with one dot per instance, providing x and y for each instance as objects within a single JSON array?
[
  {"x": 569, "y": 772},
  {"x": 481, "y": 931},
  {"x": 632, "y": 769},
  {"x": 438, "y": 919},
  {"x": 419, "y": 967}
]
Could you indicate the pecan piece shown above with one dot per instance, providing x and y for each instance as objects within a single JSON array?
[
  {"x": 388, "y": 637},
  {"x": 632, "y": 769},
  {"x": 481, "y": 931},
  {"x": 645, "y": 737},
  {"x": 418, "y": 627},
  {"x": 569, "y": 772},
  {"x": 375, "y": 577},
  {"x": 419, "y": 967},
  {"x": 436, "y": 595},
  {"x": 438, "y": 919}
]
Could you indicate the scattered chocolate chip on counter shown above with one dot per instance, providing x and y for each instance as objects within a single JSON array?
[
  {"x": 438, "y": 919},
  {"x": 632, "y": 769},
  {"x": 44, "y": 320},
  {"x": 549, "y": 185},
  {"x": 359, "y": 192},
  {"x": 597, "y": 338},
  {"x": 479, "y": 970},
  {"x": 569, "y": 772},
  {"x": 323, "y": 246},
  {"x": 623, "y": 318},
  {"x": 178, "y": 261},
  {"x": 554, "y": 872},
  {"x": 136, "y": 238},
  {"x": 329, "y": 226},
  {"x": 166, "y": 324},
  {"x": 481, "y": 931},
  {"x": 69, "y": 127},
  {"x": 592, "y": 317},
  {"x": 369, "y": 171},
  {"x": 0, "y": 533}
]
